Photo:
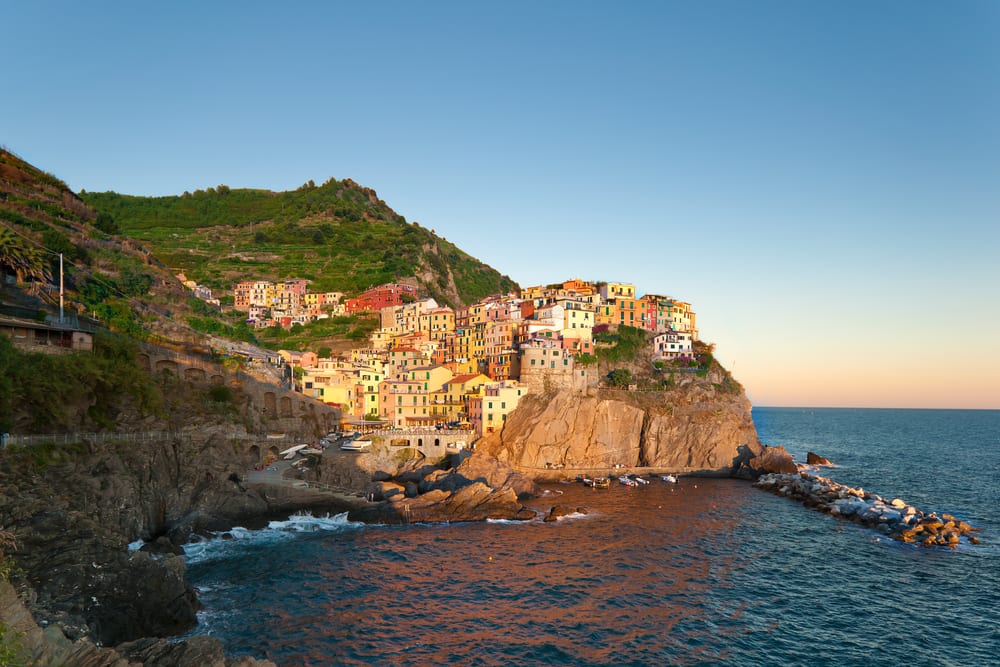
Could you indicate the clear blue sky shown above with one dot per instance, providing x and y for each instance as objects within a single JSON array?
[{"x": 820, "y": 179}]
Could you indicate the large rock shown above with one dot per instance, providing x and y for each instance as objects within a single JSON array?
[
  {"x": 815, "y": 459},
  {"x": 774, "y": 459},
  {"x": 485, "y": 469},
  {"x": 694, "y": 430},
  {"x": 473, "y": 502},
  {"x": 52, "y": 646}
]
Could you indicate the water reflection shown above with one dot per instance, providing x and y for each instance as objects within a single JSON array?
[{"x": 636, "y": 581}]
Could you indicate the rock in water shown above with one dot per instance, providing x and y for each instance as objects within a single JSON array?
[
  {"x": 557, "y": 512},
  {"x": 815, "y": 459},
  {"x": 774, "y": 460}
]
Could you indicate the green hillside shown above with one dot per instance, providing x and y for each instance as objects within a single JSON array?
[{"x": 339, "y": 235}]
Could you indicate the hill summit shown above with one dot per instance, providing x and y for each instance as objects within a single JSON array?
[{"x": 339, "y": 235}]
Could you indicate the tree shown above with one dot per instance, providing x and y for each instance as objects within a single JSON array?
[
  {"x": 620, "y": 377},
  {"x": 25, "y": 259}
]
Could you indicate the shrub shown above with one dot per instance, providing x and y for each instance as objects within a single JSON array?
[{"x": 620, "y": 377}]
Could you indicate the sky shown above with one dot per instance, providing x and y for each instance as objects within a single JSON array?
[{"x": 821, "y": 180}]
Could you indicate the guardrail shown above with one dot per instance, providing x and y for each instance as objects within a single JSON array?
[{"x": 73, "y": 438}]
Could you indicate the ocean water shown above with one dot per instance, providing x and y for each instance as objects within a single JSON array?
[{"x": 702, "y": 572}]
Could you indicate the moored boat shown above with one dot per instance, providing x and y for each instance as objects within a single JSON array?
[
  {"x": 669, "y": 479},
  {"x": 356, "y": 445},
  {"x": 602, "y": 483}
]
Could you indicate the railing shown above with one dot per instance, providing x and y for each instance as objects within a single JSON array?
[
  {"x": 140, "y": 436},
  {"x": 389, "y": 433}
]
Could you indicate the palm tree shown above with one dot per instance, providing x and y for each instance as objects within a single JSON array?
[{"x": 25, "y": 259}]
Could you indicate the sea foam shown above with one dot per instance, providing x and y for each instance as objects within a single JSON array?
[{"x": 221, "y": 545}]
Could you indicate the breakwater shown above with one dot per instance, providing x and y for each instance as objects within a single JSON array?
[{"x": 894, "y": 518}]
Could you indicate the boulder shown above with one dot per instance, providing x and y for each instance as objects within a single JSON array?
[
  {"x": 774, "y": 459},
  {"x": 378, "y": 491},
  {"x": 558, "y": 511},
  {"x": 815, "y": 459},
  {"x": 486, "y": 470}
]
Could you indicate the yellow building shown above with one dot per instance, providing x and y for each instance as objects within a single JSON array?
[
  {"x": 617, "y": 291},
  {"x": 453, "y": 398},
  {"x": 606, "y": 314},
  {"x": 489, "y": 411},
  {"x": 437, "y": 323},
  {"x": 366, "y": 392}
]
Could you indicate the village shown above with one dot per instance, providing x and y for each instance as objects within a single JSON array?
[{"x": 433, "y": 366}]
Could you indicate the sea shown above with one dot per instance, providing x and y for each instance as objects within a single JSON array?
[{"x": 702, "y": 572}]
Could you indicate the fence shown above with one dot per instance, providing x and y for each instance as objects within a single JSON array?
[{"x": 73, "y": 438}]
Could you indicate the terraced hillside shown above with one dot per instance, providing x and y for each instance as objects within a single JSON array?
[{"x": 339, "y": 235}]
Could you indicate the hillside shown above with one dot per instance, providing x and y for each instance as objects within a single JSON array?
[
  {"x": 121, "y": 255},
  {"x": 106, "y": 276},
  {"x": 339, "y": 235}
]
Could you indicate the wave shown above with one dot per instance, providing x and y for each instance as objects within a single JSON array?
[{"x": 221, "y": 545}]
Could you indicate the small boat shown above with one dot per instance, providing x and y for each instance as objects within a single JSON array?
[
  {"x": 356, "y": 445},
  {"x": 669, "y": 479},
  {"x": 587, "y": 481},
  {"x": 627, "y": 481},
  {"x": 602, "y": 483},
  {"x": 640, "y": 480}
]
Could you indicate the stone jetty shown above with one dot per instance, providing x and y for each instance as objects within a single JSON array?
[{"x": 894, "y": 518}]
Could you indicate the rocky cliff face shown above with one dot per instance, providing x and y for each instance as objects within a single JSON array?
[
  {"x": 695, "y": 428},
  {"x": 73, "y": 508}
]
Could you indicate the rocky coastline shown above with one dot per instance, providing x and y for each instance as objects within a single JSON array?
[
  {"x": 79, "y": 596},
  {"x": 894, "y": 518}
]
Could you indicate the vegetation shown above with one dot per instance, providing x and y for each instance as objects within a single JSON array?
[
  {"x": 26, "y": 260},
  {"x": 619, "y": 377},
  {"x": 338, "y": 235},
  {"x": 316, "y": 335},
  {"x": 7, "y": 544},
  {"x": 10, "y": 648},
  {"x": 46, "y": 387},
  {"x": 627, "y": 344}
]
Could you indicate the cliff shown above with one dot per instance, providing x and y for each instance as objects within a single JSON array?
[
  {"x": 175, "y": 467},
  {"x": 697, "y": 427}
]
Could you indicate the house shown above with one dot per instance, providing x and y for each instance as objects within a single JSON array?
[
  {"x": 544, "y": 364},
  {"x": 609, "y": 291},
  {"x": 488, "y": 412},
  {"x": 376, "y": 298},
  {"x": 673, "y": 345},
  {"x": 453, "y": 398},
  {"x": 46, "y": 336}
]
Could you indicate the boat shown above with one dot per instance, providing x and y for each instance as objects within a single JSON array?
[
  {"x": 356, "y": 445},
  {"x": 669, "y": 479},
  {"x": 602, "y": 483},
  {"x": 290, "y": 453},
  {"x": 587, "y": 481},
  {"x": 627, "y": 481},
  {"x": 640, "y": 480}
]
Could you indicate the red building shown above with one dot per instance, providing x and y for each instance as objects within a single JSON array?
[{"x": 390, "y": 294}]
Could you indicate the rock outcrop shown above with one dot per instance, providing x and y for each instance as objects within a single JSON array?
[
  {"x": 815, "y": 459},
  {"x": 773, "y": 459},
  {"x": 479, "y": 488},
  {"x": 73, "y": 510},
  {"x": 33, "y": 645},
  {"x": 693, "y": 429}
]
